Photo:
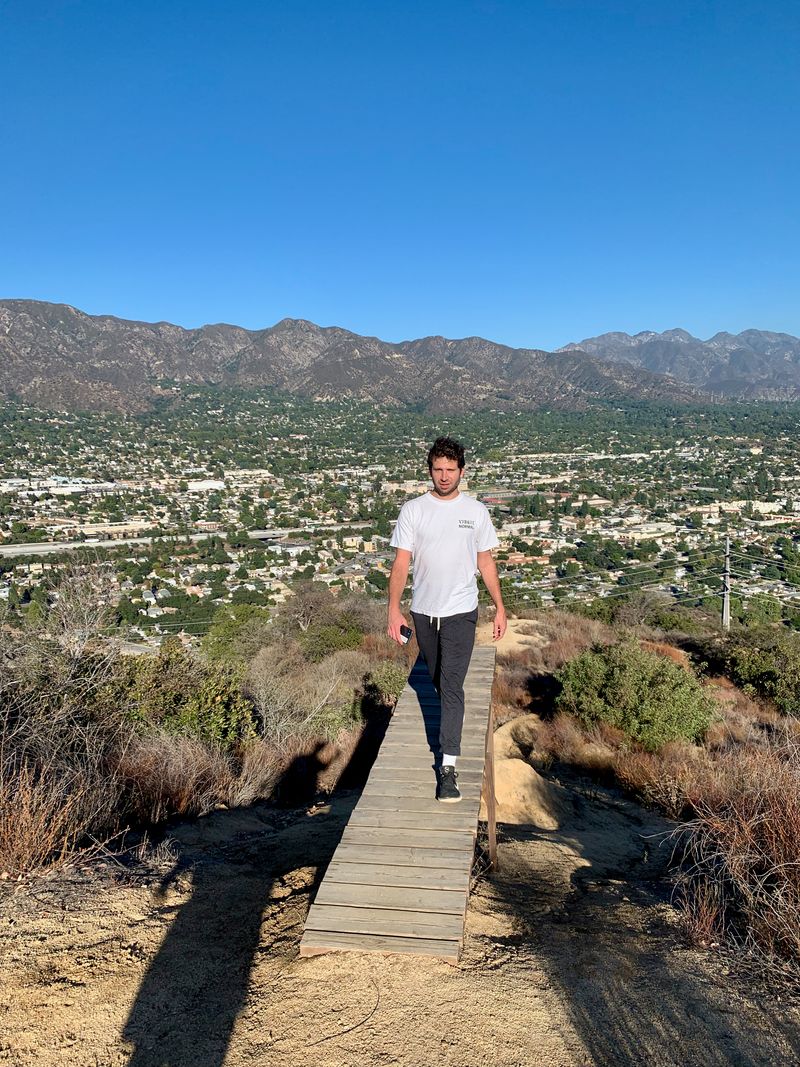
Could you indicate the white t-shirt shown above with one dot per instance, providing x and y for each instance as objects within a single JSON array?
[{"x": 444, "y": 537}]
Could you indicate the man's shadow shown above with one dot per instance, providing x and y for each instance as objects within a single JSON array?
[{"x": 197, "y": 984}]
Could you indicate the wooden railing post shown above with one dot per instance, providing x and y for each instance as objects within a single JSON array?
[{"x": 488, "y": 788}]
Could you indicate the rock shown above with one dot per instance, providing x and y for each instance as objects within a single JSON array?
[
  {"x": 524, "y": 797},
  {"x": 516, "y": 739}
]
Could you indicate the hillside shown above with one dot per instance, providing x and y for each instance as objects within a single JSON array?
[{"x": 54, "y": 355}]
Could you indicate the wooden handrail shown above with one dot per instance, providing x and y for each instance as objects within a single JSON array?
[{"x": 488, "y": 786}]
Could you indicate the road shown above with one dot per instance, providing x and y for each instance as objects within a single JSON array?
[{"x": 47, "y": 548}]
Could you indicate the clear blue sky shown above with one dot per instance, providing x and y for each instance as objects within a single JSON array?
[{"x": 533, "y": 171}]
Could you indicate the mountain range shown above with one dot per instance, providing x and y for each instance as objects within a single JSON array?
[
  {"x": 754, "y": 365},
  {"x": 55, "y": 356}
]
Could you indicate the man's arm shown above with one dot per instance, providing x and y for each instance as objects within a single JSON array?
[
  {"x": 488, "y": 569},
  {"x": 397, "y": 583}
]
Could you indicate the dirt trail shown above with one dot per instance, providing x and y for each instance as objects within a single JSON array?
[{"x": 571, "y": 957}]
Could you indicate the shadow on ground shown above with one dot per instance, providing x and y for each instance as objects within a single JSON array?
[
  {"x": 197, "y": 984},
  {"x": 591, "y": 903}
]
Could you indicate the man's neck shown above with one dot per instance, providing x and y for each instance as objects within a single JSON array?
[{"x": 452, "y": 496}]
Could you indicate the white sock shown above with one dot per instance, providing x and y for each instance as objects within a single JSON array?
[{"x": 449, "y": 761}]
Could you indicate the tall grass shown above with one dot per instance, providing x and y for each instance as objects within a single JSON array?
[{"x": 741, "y": 870}]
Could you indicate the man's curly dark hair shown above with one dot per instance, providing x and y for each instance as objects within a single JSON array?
[{"x": 446, "y": 448}]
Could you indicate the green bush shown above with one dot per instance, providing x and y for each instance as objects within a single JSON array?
[
  {"x": 674, "y": 619},
  {"x": 237, "y": 632},
  {"x": 767, "y": 663},
  {"x": 179, "y": 692},
  {"x": 652, "y": 699},
  {"x": 389, "y": 679},
  {"x": 324, "y": 639}
]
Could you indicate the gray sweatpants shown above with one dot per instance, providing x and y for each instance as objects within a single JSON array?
[{"x": 447, "y": 650}]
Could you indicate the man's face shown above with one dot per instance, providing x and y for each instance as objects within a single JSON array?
[{"x": 446, "y": 476}]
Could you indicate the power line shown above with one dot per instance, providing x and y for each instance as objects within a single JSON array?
[{"x": 778, "y": 561}]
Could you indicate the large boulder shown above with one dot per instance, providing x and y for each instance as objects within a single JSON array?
[
  {"x": 524, "y": 798},
  {"x": 516, "y": 739}
]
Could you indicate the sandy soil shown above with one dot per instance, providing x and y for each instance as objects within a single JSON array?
[
  {"x": 514, "y": 638},
  {"x": 572, "y": 956}
]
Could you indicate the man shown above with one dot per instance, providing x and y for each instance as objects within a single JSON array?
[{"x": 449, "y": 536}]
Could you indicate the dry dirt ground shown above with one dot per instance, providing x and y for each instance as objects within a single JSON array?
[{"x": 572, "y": 956}]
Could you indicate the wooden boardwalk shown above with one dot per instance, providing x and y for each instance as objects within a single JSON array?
[{"x": 399, "y": 880}]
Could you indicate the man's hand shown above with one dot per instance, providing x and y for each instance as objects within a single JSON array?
[
  {"x": 397, "y": 583},
  {"x": 500, "y": 624},
  {"x": 396, "y": 620}
]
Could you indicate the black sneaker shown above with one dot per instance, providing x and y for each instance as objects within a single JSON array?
[{"x": 446, "y": 789}]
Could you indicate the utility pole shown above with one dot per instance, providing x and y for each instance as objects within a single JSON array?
[{"x": 726, "y": 587}]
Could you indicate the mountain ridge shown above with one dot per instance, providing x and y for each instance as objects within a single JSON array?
[
  {"x": 750, "y": 365},
  {"x": 57, "y": 355}
]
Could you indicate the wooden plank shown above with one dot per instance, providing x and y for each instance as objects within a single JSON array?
[
  {"x": 394, "y": 749},
  {"x": 411, "y": 727},
  {"x": 416, "y": 740},
  {"x": 402, "y": 855},
  {"x": 388, "y": 874},
  {"x": 468, "y": 768},
  {"x": 471, "y": 740},
  {"x": 448, "y": 901},
  {"x": 423, "y": 757},
  {"x": 446, "y": 819},
  {"x": 415, "y": 717},
  {"x": 420, "y": 798},
  {"x": 396, "y": 746},
  {"x": 430, "y": 731},
  {"x": 334, "y": 917},
  {"x": 386, "y": 777},
  {"x": 433, "y": 840},
  {"x": 322, "y": 941},
  {"x": 425, "y": 804}
]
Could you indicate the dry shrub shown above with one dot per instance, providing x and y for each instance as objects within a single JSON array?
[
  {"x": 368, "y": 614},
  {"x": 167, "y": 774},
  {"x": 743, "y": 719},
  {"x": 260, "y": 770},
  {"x": 609, "y": 735},
  {"x": 703, "y": 911},
  {"x": 665, "y": 779},
  {"x": 510, "y": 688},
  {"x": 596, "y": 755},
  {"x": 562, "y": 636},
  {"x": 675, "y": 655},
  {"x": 742, "y": 851},
  {"x": 58, "y": 734},
  {"x": 515, "y": 658},
  {"x": 564, "y": 739},
  {"x": 41, "y": 817},
  {"x": 295, "y": 699},
  {"x": 381, "y": 646},
  {"x": 561, "y": 737},
  {"x": 569, "y": 635}
]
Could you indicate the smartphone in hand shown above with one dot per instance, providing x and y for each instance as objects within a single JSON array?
[{"x": 406, "y": 633}]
